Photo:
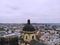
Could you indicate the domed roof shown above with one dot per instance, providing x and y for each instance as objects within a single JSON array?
[{"x": 28, "y": 27}]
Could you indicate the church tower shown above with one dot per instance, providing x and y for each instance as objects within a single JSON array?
[{"x": 28, "y": 33}]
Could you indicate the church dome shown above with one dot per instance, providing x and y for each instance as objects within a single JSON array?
[{"x": 28, "y": 27}]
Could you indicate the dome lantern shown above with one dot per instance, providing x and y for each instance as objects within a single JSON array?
[{"x": 28, "y": 26}]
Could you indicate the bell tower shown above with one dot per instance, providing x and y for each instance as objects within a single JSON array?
[{"x": 28, "y": 33}]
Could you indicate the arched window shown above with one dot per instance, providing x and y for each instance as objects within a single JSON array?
[
  {"x": 32, "y": 37},
  {"x": 26, "y": 37}
]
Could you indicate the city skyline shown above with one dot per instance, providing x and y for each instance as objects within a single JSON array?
[{"x": 39, "y": 11}]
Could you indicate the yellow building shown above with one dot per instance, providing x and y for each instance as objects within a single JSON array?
[{"x": 28, "y": 33}]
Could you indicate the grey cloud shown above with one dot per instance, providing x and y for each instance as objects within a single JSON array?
[{"x": 37, "y": 10}]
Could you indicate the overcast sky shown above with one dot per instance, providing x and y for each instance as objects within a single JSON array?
[{"x": 39, "y": 11}]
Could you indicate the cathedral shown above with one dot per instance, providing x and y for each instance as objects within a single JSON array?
[{"x": 28, "y": 33}]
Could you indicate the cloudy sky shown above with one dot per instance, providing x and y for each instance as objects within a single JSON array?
[{"x": 39, "y": 11}]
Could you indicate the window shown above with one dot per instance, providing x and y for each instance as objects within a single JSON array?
[
  {"x": 32, "y": 37},
  {"x": 26, "y": 37}
]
